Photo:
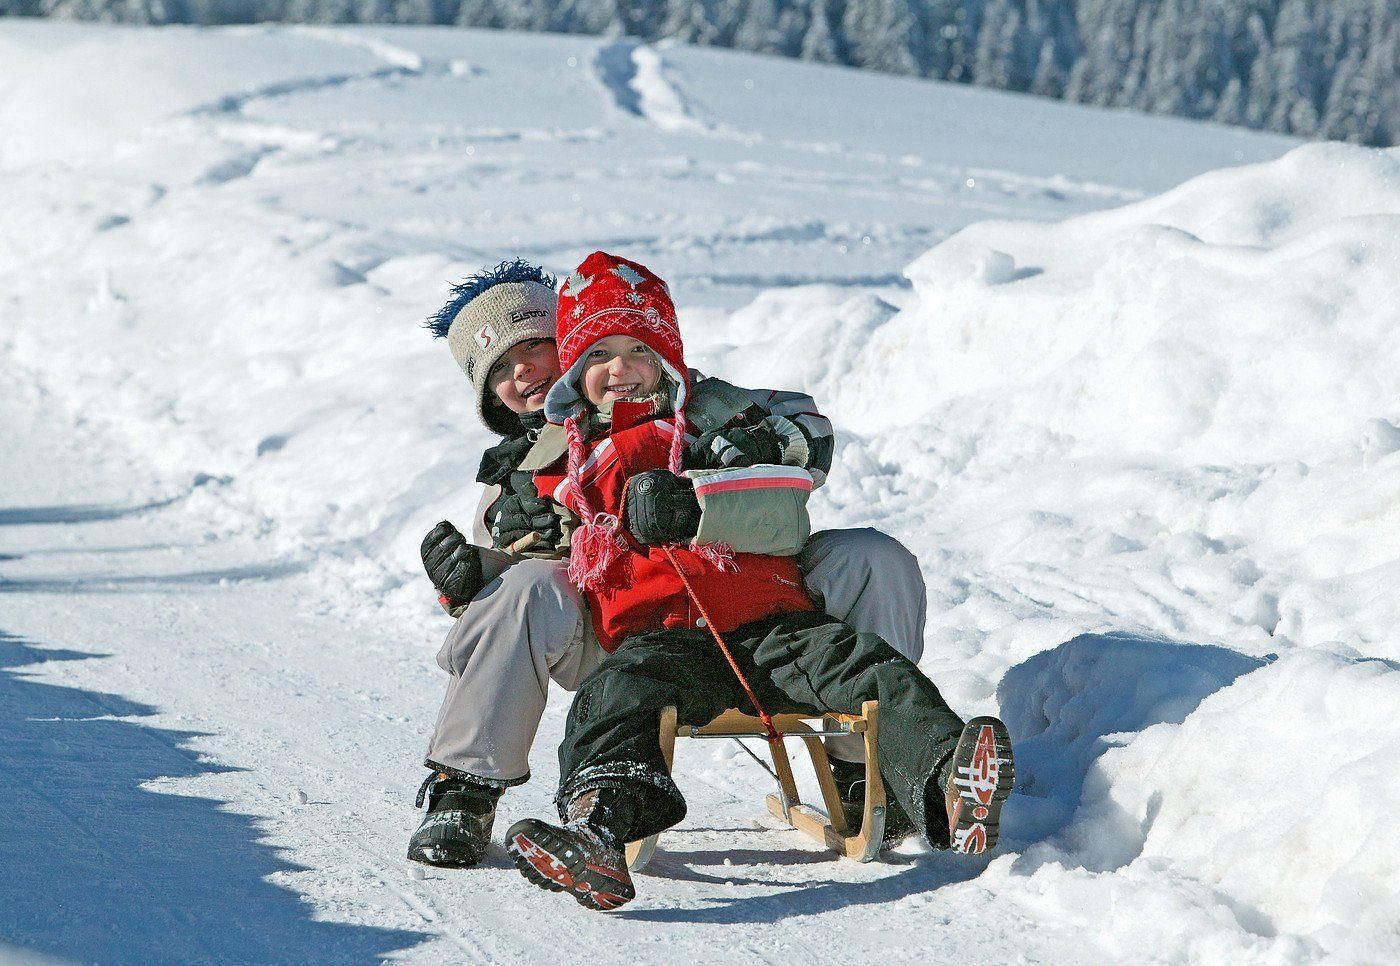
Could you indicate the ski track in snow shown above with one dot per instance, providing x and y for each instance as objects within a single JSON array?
[
  {"x": 614, "y": 70},
  {"x": 402, "y": 63},
  {"x": 638, "y": 82},
  {"x": 636, "y": 79},
  {"x": 209, "y": 584},
  {"x": 237, "y": 103},
  {"x": 394, "y": 54}
]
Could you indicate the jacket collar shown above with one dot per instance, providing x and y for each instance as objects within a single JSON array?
[{"x": 629, "y": 413}]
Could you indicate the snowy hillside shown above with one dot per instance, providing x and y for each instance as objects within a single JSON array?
[
  {"x": 1129, "y": 387},
  {"x": 1297, "y": 66}
]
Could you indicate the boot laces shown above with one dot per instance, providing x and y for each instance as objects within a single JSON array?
[{"x": 423, "y": 789}]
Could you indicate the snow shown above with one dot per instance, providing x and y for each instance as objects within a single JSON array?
[{"x": 1129, "y": 387}]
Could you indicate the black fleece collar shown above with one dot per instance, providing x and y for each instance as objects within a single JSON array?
[{"x": 498, "y": 462}]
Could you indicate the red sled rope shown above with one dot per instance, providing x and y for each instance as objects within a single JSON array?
[{"x": 774, "y": 738}]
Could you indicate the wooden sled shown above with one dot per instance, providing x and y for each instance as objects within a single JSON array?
[{"x": 830, "y": 828}]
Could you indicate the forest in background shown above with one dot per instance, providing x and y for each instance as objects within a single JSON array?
[{"x": 1313, "y": 68}]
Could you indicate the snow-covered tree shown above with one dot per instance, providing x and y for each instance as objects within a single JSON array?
[
  {"x": 1312, "y": 67},
  {"x": 884, "y": 35}
]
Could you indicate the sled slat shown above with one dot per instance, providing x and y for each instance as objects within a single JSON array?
[{"x": 830, "y": 829}]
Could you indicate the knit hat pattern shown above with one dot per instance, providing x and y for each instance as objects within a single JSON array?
[
  {"x": 609, "y": 295},
  {"x": 487, "y": 327},
  {"x": 605, "y": 296}
]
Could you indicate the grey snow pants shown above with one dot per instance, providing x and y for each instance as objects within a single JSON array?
[{"x": 530, "y": 625}]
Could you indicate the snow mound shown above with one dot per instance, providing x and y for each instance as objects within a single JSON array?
[
  {"x": 660, "y": 99},
  {"x": 1068, "y": 705},
  {"x": 1250, "y": 314},
  {"x": 1174, "y": 420},
  {"x": 1263, "y": 787},
  {"x": 1219, "y": 365},
  {"x": 1276, "y": 793}
]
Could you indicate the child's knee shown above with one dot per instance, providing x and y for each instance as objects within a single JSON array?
[
  {"x": 634, "y": 682},
  {"x": 874, "y": 552},
  {"x": 534, "y": 583}
]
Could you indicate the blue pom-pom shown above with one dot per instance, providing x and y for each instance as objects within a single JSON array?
[{"x": 463, "y": 292}]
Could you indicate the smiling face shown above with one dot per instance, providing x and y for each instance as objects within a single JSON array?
[
  {"x": 522, "y": 376},
  {"x": 618, "y": 367}
]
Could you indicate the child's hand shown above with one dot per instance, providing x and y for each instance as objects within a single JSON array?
[
  {"x": 661, "y": 508},
  {"x": 453, "y": 565},
  {"x": 522, "y": 512},
  {"x": 735, "y": 446}
]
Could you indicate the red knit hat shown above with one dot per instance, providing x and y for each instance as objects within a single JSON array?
[{"x": 607, "y": 295}]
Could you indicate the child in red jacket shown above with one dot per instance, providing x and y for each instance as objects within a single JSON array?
[{"x": 655, "y": 607}]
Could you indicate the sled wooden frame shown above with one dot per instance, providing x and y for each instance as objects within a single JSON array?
[{"x": 830, "y": 828}]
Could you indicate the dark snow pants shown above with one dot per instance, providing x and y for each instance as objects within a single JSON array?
[{"x": 806, "y": 662}]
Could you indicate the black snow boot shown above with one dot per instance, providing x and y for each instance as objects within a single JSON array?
[
  {"x": 457, "y": 828},
  {"x": 850, "y": 784},
  {"x": 964, "y": 795},
  {"x": 585, "y": 856}
]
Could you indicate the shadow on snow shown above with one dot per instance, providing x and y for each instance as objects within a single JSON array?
[
  {"x": 75, "y": 513},
  {"x": 93, "y": 867},
  {"x": 99, "y": 583}
]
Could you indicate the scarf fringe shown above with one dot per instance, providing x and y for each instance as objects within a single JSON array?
[
  {"x": 594, "y": 550},
  {"x": 719, "y": 554}
]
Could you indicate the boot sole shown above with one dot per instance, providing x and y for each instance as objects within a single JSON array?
[
  {"x": 984, "y": 771},
  {"x": 551, "y": 862}
]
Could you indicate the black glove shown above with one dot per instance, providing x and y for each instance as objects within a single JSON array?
[
  {"x": 661, "y": 507},
  {"x": 453, "y": 565},
  {"x": 735, "y": 446},
  {"x": 521, "y": 511}
]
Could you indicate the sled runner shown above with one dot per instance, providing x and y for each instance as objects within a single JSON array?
[{"x": 830, "y": 828}]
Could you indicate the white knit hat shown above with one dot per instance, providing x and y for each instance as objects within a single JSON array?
[{"x": 490, "y": 313}]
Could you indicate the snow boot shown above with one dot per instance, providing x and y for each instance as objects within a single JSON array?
[
  {"x": 850, "y": 785},
  {"x": 970, "y": 786},
  {"x": 457, "y": 828},
  {"x": 584, "y": 857}
]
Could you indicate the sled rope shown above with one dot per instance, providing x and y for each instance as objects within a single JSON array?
[{"x": 774, "y": 738}]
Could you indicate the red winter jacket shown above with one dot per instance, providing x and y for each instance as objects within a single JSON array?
[{"x": 643, "y": 592}]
